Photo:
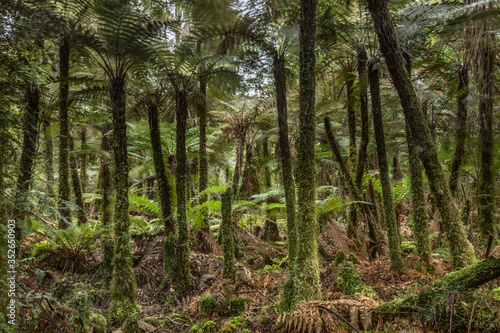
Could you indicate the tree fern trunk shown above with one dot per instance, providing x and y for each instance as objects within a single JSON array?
[
  {"x": 182, "y": 275},
  {"x": 27, "y": 162},
  {"x": 64, "y": 173},
  {"x": 83, "y": 159},
  {"x": 461, "y": 250},
  {"x": 49, "y": 158},
  {"x": 387, "y": 199},
  {"x": 307, "y": 265},
  {"x": 203, "y": 162},
  {"x": 77, "y": 187},
  {"x": 365, "y": 123},
  {"x": 123, "y": 284},
  {"x": 229, "y": 269},
  {"x": 461, "y": 134}
]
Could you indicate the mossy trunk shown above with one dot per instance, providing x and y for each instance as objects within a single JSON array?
[
  {"x": 461, "y": 250},
  {"x": 64, "y": 172},
  {"x": 83, "y": 159},
  {"x": 202, "y": 154},
  {"x": 271, "y": 231},
  {"x": 307, "y": 286},
  {"x": 105, "y": 188},
  {"x": 162, "y": 180},
  {"x": 183, "y": 274},
  {"x": 465, "y": 279},
  {"x": 461, "y": 133},
  {"x": 229, "y": 269},
  {"x": 487, "y": 219},
  {"x": 77, "y": 188},
  {"x": 391, "y": 224},
  {"x": 419, "y": 217},
  {"x": 27, "y": 162},
  {"x": 250, "y": 182},
  {"x": 365, "y": 123},
  {"x": 123, "y": 284},
  {"x": 240, "y": 149},
  {"x": 48, "y": 157},
  {"x": 279, "y": 71}
]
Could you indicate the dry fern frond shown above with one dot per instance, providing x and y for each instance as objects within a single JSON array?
[{"x": 495, "y": 252}]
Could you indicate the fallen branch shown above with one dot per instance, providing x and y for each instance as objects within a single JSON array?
[{"x": 335, "y": 313}]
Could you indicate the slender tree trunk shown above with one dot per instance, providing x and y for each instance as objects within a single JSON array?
[
  {"x": 391, "y": 223},
  {"x": 461, "y": 250},
  {"x": 240, "y": 149},
  {"x": 418, "y": 202},
  {"x": 28, "y": 154},
  {"x": 64, "y": 173},
  {"x": 77, "y": 187},
  {"x": 271, "y": 231},
  {"x": 279, "y": 71},
  {"x": 461, "y": 134},
  {"x": 365, "y": 123},
  {"x": 162, "y": 181},
  {"x": 104, "y": 188},
  {"x": 250, "y": 181},
  {"x": 123, "y": 284},
  {"x": 49, "y": 158},
  {"x": 183, "y": 274},
  {"x": 487, "y": 219},
  {"x": 307, "y": 265},
  {"x": 351, "y": 115},
  {"x": 229, "y": 269},
  {"x": 203, "y": 162},
  {"x": 83, "y": 161}
]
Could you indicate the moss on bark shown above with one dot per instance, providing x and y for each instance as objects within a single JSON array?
[
  {"x": 227, "y": 236},
  {"x": 77, "y": 189}
]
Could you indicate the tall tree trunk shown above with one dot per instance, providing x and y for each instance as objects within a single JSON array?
[
  {"x": 279, "y": 71},
  {"x": 203, "y": 162},
  {"x": 250, "y": 181},
  {"x": 162, "y": 181},
  {"x": 229, "y": 269},
  {"x": 28, "y": 154},
  {"x": 461, "y": 134},
  {"x": 123, "y": 284},
  {"x": 391, "y": 223},
  {"x": 183, "y": 274},
  {"x": 48, "y": 157},
  {"x": 77, "y": 187},
  {"x": 83, "y": 159},
  {"x": 271, "y": 231},
  {"x": 307, "y": 265},
  {"x": 104, "y": 188},
  {"x": 418, "y": 202},
  {"x": 64, "y": 173},
  {"x": 365, "y": 123},
  {"x": 487, "y": 219},
  {"x": 461, "y": 250},
  {"x": 240, "y": 149},
  {"x": 351, "y": 115}
]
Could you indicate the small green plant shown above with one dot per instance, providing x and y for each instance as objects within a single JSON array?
[
  {"x": 339, "y": 257},
  {"x": 203, "y": 326},
  {"x": 207, "y": 304}
]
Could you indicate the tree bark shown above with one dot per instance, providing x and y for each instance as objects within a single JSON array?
[
  {"x": 77, "y": 187},
  {"x": 123, "y": 284},
  {"x": 83, "y": 161},
  {"x": 203, "y": 162},
  {"x": 487, "y": 219},
  {"x": 49, "y": 158},
  {"x": 27, "y": 162},
  {"x": 365, "y": 123},
  {"x": 461, "y": 134},
  {"x": 307, "y": 266},
  {"x": 240, "y": 149},
  {"x": 183, "y": 274},
  {"x": 271, "y": 231},
  {"x": 64, "y": 173},
  {"x": 391, "y": 223},
  {"x": 461, "y": 250},
  {"x": 229, "y": 269}
]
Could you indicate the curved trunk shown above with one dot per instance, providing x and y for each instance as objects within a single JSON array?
[
  {"x": 307, "y": 284},
  {"x": 391, "y": 224},
  {"x": 27, "y": 162},
  {"x": 64, "y": 187},
  {"x": 183, "y": 275},
  {"x": 461, "y": 250},
  {"x": 461, "y": 134},
  {"x": 77, "y": 188},
  {"x": 123, "y": 284}
]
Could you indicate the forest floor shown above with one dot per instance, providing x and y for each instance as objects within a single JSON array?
[{"x": 248, "y": 304}]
